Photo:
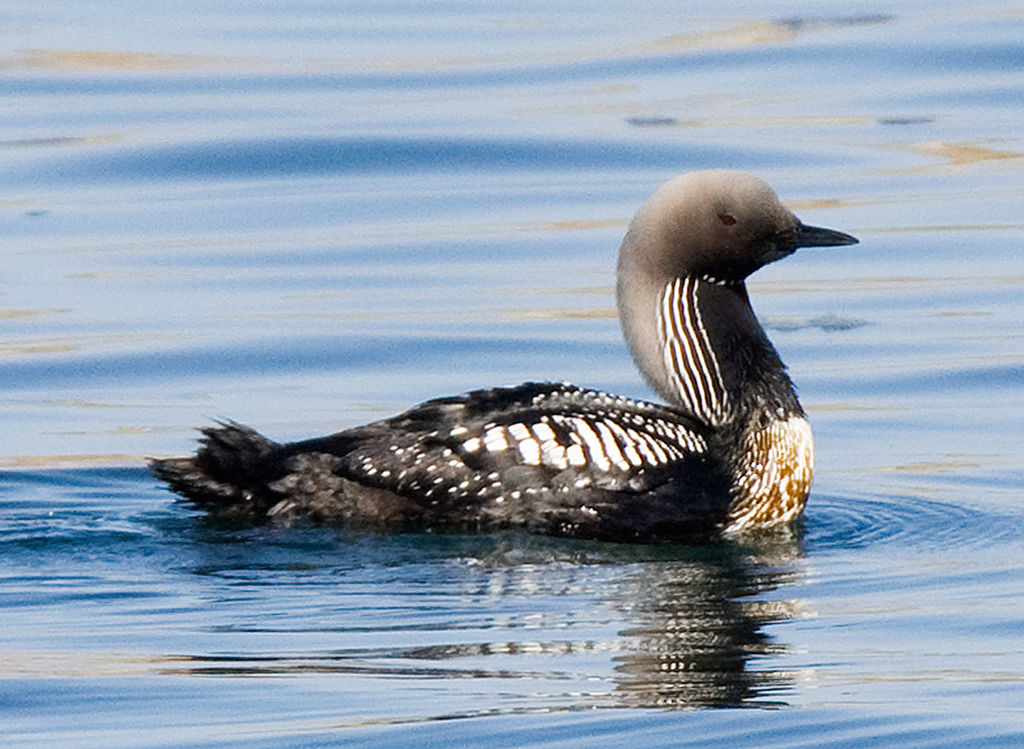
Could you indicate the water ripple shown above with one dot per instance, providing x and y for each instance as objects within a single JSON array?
[
  {"x": 856, "y": 522},
  {"x": 298, "y": 157}
]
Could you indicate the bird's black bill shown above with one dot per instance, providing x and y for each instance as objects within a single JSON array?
[{"x": 816, "y": 236}]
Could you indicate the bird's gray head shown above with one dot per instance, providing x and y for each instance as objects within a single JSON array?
[
  {"x": 681, "y": 296},
  {"x": 719, "y": 223}
]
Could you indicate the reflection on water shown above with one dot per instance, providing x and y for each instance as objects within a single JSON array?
[
  {"x": 698, "y": 628},
  {"x": 747, "y": 34},
  {"x": 550, "y": 624},
  {"x": 680, "y": 627},
  {"x": 759, "y": 33}
]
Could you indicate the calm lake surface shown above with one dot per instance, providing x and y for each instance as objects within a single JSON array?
[{"x": 305, "y": 216}]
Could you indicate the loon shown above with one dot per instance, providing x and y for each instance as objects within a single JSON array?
[{"x": 731, "y": 451}]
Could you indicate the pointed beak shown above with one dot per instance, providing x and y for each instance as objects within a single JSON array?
[{"x": 816, "y": 236}]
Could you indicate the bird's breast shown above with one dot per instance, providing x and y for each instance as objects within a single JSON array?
[{"x": 774, "y": 474}]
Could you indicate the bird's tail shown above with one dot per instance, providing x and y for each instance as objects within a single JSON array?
[{"x": 227, "y": 474}]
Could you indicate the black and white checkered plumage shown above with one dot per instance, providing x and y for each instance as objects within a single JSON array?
[
  {"x": 551, "y": 458},
  {"x": 733, "y": 451}
]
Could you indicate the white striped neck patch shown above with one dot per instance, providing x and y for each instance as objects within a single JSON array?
[{"x": 693, "y": 366}]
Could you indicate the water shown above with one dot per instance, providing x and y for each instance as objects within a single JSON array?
[{"x": 305, "y": 217}]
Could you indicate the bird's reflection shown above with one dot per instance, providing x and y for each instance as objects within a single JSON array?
[
  {"x": 560, "y": 625},
  {"x": 698, "y": 624}
]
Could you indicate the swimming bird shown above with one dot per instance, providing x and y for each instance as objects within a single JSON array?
[{"x": 730, "y": 450}]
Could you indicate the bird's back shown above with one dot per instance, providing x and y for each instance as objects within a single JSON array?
[{"x": 550, "y": 458}]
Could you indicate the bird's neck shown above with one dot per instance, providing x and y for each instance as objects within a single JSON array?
[{"x": 699, "y": 345}]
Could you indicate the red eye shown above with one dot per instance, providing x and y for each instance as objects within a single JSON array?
[{"x": 726, "y": 219}]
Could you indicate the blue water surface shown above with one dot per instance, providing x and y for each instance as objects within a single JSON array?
[{"x": 305, "y": 216}]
